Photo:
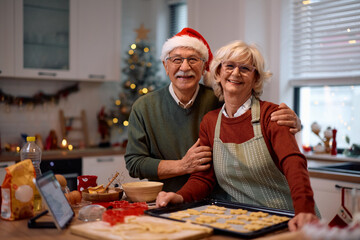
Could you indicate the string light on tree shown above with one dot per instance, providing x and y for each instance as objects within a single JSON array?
[{"x": 140, "y": 69}]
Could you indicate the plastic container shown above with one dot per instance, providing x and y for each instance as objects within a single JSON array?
[{"x": 33, "y": 152}]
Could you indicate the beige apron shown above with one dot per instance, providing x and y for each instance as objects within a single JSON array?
[{"x": 247, "y": 172}]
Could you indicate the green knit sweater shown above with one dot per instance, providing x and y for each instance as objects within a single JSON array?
[{"x": 159, "y": 129}]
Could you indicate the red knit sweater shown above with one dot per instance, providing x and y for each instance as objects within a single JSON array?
[{"x": 280, "y": 143}]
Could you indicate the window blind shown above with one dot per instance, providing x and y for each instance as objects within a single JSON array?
[
  {"x": 178, "y": 16},
  {"x": 325, "y": 40}
]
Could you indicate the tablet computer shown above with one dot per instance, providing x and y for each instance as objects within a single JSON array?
[{"x": 55, "y": 200}]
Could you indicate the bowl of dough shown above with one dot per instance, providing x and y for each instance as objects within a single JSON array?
[{"x": 142, "y": 191}]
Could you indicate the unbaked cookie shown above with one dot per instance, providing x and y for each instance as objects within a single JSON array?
[
  {"x": 238, "y": 211},
  {"x": 235, "y": 221}
]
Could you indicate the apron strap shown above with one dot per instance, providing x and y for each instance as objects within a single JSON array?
[
  {"x": 255, "y": 117},
  {"x": 217, "y": 127}
]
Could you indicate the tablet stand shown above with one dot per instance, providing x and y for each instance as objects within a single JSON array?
[{"x": 33, "y": 224}]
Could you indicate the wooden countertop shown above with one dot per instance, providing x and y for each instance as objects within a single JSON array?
[
  {"x": 66, "y": 154},
  {"x": 19, "y": 230}
]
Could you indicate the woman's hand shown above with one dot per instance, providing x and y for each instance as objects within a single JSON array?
[
  {"x": 300, "y": 220},
  {"x": 164, "y": 198},
  {"x": 285, "y": 116}
]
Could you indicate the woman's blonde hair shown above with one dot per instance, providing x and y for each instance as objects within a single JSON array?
[{"x": 234, "y": 51}]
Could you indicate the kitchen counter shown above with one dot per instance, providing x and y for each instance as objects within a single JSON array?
[
  {"x": 66, "y": 154},
  {"x": 19, "y": 230},
  {"x": 330, "y": 158}
]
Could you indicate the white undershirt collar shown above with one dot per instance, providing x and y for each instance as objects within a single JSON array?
[
  {"x": 187, "y": 105},
  {"x": 242, "y": 109}
]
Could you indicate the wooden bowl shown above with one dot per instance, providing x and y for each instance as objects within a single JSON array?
[
  {"x": 102, "y": 197},
  {"x": 144, "y": 191}
]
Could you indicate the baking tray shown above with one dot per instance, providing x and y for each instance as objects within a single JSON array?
[{"x": 238, "y": 232}]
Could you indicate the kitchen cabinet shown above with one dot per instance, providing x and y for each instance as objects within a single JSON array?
[
  {"x": 99, "y": 39},
  {"x": 328, "y": 197},
  {"x": 7, "y": 61},
  {"x": 45, "y": 39},
  {"x": 4, "y": 165},
  {"x": 73, "y": 40},
  {"x": 105, "y": 167}
]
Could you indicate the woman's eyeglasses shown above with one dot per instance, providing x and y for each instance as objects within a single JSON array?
[
  {"x": 230, "y": 66},
  {"x": 191, "y": 60}
]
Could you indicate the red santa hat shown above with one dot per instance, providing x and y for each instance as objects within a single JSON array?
[{"x": 188, "y": 37}]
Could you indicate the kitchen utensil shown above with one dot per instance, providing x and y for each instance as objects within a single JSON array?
[
  {"x": 103, "y": 197},
  {"x": 144, "y": 191},
  {"x": 91, "y": 213},
  {"x": 107, "y": 185},
  {"x": 237, "y": 230},
  {"x": 103, "y": 230}
]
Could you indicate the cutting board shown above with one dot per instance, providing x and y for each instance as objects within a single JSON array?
[{"x": 103, "y": 230}]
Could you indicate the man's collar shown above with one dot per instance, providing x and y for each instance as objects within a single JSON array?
[{"x": 187, "y": 105}]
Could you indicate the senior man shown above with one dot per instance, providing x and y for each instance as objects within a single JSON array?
[{"x": 163, "y": 142}]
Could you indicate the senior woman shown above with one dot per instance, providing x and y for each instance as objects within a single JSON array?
[{"x": 255, "y": 161}]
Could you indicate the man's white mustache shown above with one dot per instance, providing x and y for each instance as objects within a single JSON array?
[{"x": 185, "y": 74}]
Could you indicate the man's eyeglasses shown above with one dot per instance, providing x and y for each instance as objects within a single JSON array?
[
  {"x": 244, "y": 69},
  {"x": 191, "y": 60}
]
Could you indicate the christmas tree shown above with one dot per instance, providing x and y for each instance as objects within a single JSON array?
[{"x": 141, "y": 69}]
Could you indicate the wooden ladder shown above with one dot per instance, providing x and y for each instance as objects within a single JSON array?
[{"x": 74, "y": 124}]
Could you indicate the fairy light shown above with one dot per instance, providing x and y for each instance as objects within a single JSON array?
[
  {"x": 64, "y": 143},
  {"x": 133, "y": 86},
  {"x": 133, "y": 46},
  {"x": 145, "y": 90},
  {"x": 146, "y": 49},
  {"x": 131, "y": 52},
  {"x": 126, "y": 123},
  {"x": 70, "y": 147},
  {"x": 117, "y": 102},
  {"x": 115, "y": 120}
]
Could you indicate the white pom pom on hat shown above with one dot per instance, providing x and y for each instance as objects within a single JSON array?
[{"x": 188, "y": 37}]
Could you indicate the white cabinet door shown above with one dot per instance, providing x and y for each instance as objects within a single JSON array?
[
  {"x": 105, "y": 167},
  {"x": 7, "y": 28},
  {"x": 328, "y": 197},
  {"x": 3, "y": 165},
  {"x": 99, "y": 40},
  {"x": 45, "y": 40}
]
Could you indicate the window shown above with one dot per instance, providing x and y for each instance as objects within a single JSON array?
[
  {"x": 178, "y": 16},
  {"x": 325, "y": 67}
]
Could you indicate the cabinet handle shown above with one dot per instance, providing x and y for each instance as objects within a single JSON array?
[
  {"x": 338, "y": 186},
  {"x": 105, "y": 160},
  {"x": 4, "y": 166},
  {"x": 47, "y": 74},
  {"x": 97, "y": 76}
]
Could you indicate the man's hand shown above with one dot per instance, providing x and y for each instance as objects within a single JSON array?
[
  {"x": 300, "y": 220},
  {"x": 164, "y": 198},
  {"x": 285, "y": 116},
  {"x": 196, "y": 159}
]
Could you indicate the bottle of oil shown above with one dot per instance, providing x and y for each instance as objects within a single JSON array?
[{"x": 33, "y": 152}]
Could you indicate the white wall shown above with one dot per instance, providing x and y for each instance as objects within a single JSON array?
[
  {"x": 41, "y": 119},
  {"x": 254, "y": 21}
]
